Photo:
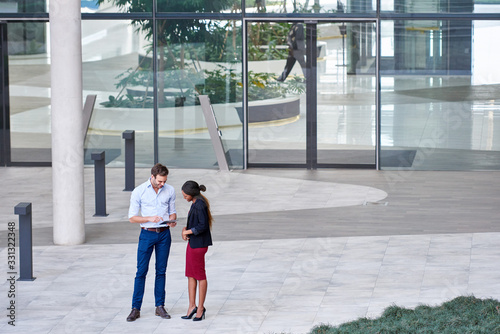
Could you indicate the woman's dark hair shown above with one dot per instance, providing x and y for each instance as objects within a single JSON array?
[{"x": 192, "y": 188}]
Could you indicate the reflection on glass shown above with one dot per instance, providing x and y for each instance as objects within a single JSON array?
[
  {"x": 431, "y": 6},
  {"x": 346, "y": 94},
  {"x": 199, "y": 6},
  {"x": 29, "y": 76},
  {"x": 23, "y": 6},
  {"x": 440, "y": 95},
  {"x": 162, "y": 6},
  {"x": 310, "y": 6},
  {"x": 115, "y": 6},
  {"x": 276, "y": 93},
  {"x": 113, "y": 54},
  {"x": 199, "y": 57},
  {"x": 27, "y": 38}
]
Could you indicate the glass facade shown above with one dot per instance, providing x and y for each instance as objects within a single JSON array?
[{"x": 315, "y": 84}]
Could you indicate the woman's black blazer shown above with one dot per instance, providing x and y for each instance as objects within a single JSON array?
[{"x": 198, "y": 223}]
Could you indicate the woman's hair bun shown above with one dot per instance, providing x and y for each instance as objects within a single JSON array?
[{"x": 203, "y": 188}]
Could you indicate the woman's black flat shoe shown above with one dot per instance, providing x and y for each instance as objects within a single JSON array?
[
  {"x": 193, "y": 312},
  {"x": 202, "y": 316}
]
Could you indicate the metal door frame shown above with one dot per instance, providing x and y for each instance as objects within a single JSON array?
[{"x": 5, "y": 159}]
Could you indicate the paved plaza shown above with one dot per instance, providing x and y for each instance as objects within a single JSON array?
[{"x": 292, "y": 249}]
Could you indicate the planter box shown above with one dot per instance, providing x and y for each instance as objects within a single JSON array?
[
  {"x": 271, "y": 110},
  {"x": 258, "y": 111},
  {"x": 116, "y": 120}
]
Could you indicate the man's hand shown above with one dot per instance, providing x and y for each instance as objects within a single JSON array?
[
  {"x": 155, "y": 219},
  {"x": 172, "y": 224}
]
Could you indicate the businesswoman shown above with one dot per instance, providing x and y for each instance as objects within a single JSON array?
[{"x": 197, "y": 233}]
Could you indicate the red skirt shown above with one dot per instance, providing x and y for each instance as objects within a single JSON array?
[{"x": 195, "y": 262}]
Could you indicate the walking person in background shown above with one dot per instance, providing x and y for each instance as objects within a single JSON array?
[
  {"x": 151, "y": 205},
  {"x": 296, "y": 51},
  {"x": 197, "y": 233}
]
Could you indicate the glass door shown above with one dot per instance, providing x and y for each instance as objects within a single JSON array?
[
  {"x": 346, "y": 91},
  {"x": 276, "y": 93},
  {"x": 311, "y": 107}
]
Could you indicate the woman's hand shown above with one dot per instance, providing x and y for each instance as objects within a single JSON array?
[{"x": 184, "y": 235}]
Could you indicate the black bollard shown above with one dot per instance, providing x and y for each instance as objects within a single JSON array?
[
  {"x": 100, "y": 183},
  {"x": 129, "y": 136},
  {"x": 25, "y": 242}
]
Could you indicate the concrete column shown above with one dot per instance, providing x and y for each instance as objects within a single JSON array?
[{"x": 67, "y": 122}]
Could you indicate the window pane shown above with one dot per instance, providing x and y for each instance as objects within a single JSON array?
[
  {"x": 199, "y": 57},
  {"x": 117, "y": 6},
  {"x": 199, "y": 6},
  {"x": 29, "y": 78},
  {"x": 440, "y": 95},
  {"x": 346, "y": 93},
  {"x": 310, "y": 6},
  {"x": 448, "y": 6},
  {"x": 114, "y": 57},
  {"x": 23, "y": 6},
  {"x": 276, "y": 93}
]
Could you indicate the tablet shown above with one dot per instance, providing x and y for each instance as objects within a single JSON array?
[{"x": 165, "y": 222}]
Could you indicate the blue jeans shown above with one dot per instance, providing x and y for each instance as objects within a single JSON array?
[{"x": 160, "y": 242}]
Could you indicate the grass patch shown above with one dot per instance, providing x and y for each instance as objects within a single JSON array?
[{"x": 460, "y": 315}]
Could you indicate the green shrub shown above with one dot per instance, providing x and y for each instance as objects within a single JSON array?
[
  {"x": 222, "y": 85},
  {"x": 465, "y": 314}
]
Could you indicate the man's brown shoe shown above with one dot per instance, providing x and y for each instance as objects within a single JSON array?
[
  {"x": 134, "y": 315},
  {"x": 160, "y": 311}
]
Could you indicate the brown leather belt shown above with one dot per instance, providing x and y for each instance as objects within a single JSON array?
[{"x": 156, "y": 229}]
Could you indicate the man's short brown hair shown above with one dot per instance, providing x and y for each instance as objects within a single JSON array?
[{"x": 159, "y": 169}]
